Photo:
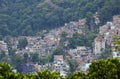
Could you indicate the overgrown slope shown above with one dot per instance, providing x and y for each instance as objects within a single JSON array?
[{"x": 26, "y": 17}]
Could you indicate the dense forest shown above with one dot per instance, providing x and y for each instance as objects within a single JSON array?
[{"x": 27, "y": 17}]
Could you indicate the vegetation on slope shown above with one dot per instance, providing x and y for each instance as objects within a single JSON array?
[{"x": 26, "y": 17}]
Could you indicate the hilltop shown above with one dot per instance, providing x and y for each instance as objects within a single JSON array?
[{"x": 27, "y": 17}]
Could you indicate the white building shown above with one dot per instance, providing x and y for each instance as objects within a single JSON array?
[
  {"x": 60, "y": 65},
  {"x": 3, "y": 46},
  {"x": 99, "y": 44},
  {"x": 116, "y": 54}
]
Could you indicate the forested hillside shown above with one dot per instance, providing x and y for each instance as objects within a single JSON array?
[{"x": 26, "y": 17}]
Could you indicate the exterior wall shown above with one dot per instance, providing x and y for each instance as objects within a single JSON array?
[
  {"x": 116, "y": 54},
  {"x": 99, "y": 45},
  {"x": 3, "y": 46}
]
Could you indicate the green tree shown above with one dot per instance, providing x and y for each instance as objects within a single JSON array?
[
  {"x": 77, "y": 75},
  {"x": 17, "y": 62},
  {"x": 2, "y": 54},
  {"x": 58, "y": 51},
  {"x": 28, "y": 30},
  {"x": 22, "y": 43},
  {"x": 29, "y": 17},
  {"x": 76, "y": 40},
  {"x": 64, "y": 34},
  {"x": 116, "y": 43},
  {"x": 25, "y": 57},
  {"x": 5, "y": 70},
  {"x": 73, "y": 65},
  {"x": 48, "y": 75},
  {"x": 106, "y": 53},
  {"x": 63, "y": 37},
  {"x": 34, "y": 57},
  {"x": 104, "y": 69}
]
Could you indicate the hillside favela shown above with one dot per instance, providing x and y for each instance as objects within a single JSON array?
[{"x": 59, "y": 39}]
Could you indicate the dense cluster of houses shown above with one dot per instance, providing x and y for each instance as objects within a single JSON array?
[
  {"x": 45, "y": 45},
  {"x": 59, "y": 65},
  {"x": 51, "y": 39},
  {"x": 82, "y": 54},
  {"x": 106, "y": 36}
]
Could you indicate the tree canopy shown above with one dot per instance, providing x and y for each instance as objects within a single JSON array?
[
  {"x": 26, "y": 17},
  {"x": 102, "y": 69}
]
